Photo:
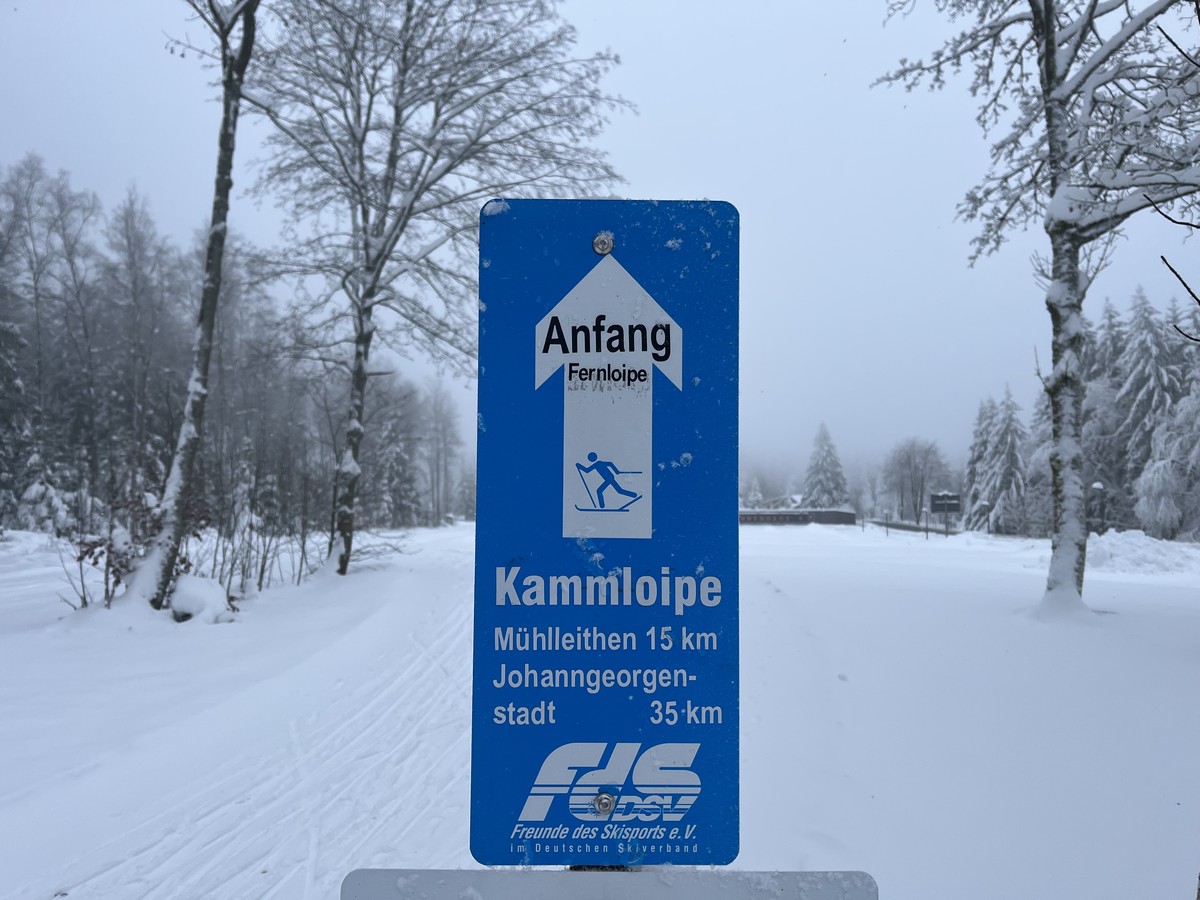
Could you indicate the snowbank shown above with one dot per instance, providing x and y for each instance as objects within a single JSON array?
[
  {"x": 1134, "y": 552},
  {"x": 201, "y": 599}
]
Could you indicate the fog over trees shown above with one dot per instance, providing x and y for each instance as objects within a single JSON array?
[
  {"x": 93, "y": 404},
  {"x": 279, "y": 425}
]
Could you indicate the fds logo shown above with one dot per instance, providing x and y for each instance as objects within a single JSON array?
[{"x": 662, "y": 785}]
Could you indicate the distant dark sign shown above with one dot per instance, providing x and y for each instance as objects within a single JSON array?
[{"x": 945, "y": 503}]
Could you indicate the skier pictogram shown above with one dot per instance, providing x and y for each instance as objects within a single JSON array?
[
  {"x": 608, "y": 337},
  {"x": 608, "y": 472}
]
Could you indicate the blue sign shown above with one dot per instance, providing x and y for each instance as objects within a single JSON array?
[{"x": 605, "y": 704}]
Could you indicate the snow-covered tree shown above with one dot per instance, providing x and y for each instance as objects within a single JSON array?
[
  {"x": 78, "y": 309},
  {"x": 440, "y": 446},
  {"x": 1003, "y": 469},
  {"x": 143, "y": 279},
  {"x": 31, "y": 255},
  {"x": 1177, "y": 350},
  {"x": 12, "y": 390},
  {"x": 824, "y": 480},
  {"x": 754, "y": 494},
  {"x": 1104, "y": 457},
  {"x": 45, "y": 505},
  {"x": 977, "y": 506},
  {"x": 1111, "y": 340},
  {"x": 1191, "y": 330},
  {"x": 404, "y": 502},
  {"x": 233, "y": 26},
  {"x": 1168, "y": 489},
  {"x": 1159, "y": 488},
  {"x": 13, "y": 423},
  {"x": 995, "y": 479},
  {"x": 864, "y": 491},
  {"x": 464, "y": 506},
  {"x": 1038, "y": 509},
  {"x": 395, "y": 121},
  {"x": 116, "y": 332},
  {"x": 1093, "y": 116},
  {"x": 1151, "y": 382}
]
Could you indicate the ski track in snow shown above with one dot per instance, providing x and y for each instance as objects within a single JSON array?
[
  {"x": 811, "y": 697},
  {"x": 388, "y": 741}
]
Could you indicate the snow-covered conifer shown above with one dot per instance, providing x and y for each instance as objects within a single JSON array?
[
  {"x": 1110, "y": 341},
  {"x": 1168, "y": 489},
  {"x": 975, "y": 513},
  {"x": 1038, "y": 509},
  {"x": 382, "y": 509},
  {"x": 1177, "y": 350},
  {"x": 1158, "y": 489},
  {"x": 1104, "y": 456},
  {"x": 400, "y": 501},
  {"x": 43, "y": 504},
  {"x": 1002, "y": 477},
  {"x": 825, "y": 482},
  {"x": 1151, "y": 382},
  {"x": 754, "y": 496},
  {"x": 1191, "y": 329}
]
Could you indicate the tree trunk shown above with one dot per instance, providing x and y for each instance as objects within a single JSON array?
[
  {"x": 164, "y": 549},
  {"x": 1064, "y": 300},
  {"x": 348, "y": 472}
]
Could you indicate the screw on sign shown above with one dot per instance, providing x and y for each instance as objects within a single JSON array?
[{"x": 603, "y": 243}]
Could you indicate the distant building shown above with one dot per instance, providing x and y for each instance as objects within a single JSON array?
[{"x": 797, "y": 517}]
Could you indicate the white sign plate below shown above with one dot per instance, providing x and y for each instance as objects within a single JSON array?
[{"x": 658, "y": 883}]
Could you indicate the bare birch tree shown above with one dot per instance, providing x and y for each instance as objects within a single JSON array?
[
  {"x": 913, "y": 467},
  {"x": 1093, "y": 117},
  {"x": 233, "y": 26},
  {"x": 30, "y": 188},
  {"x": 395, "y": 120}
]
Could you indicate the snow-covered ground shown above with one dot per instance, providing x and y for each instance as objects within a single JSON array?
[{"x": 901, "y": 715}]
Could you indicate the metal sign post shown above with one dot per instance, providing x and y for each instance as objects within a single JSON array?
[{"x": 605, "y": 702}]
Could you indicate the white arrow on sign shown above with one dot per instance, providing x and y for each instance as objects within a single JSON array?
[{"x": 608, "y": 335}]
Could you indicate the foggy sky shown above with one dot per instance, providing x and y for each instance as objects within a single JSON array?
[{"x": 857, "y": 305}]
